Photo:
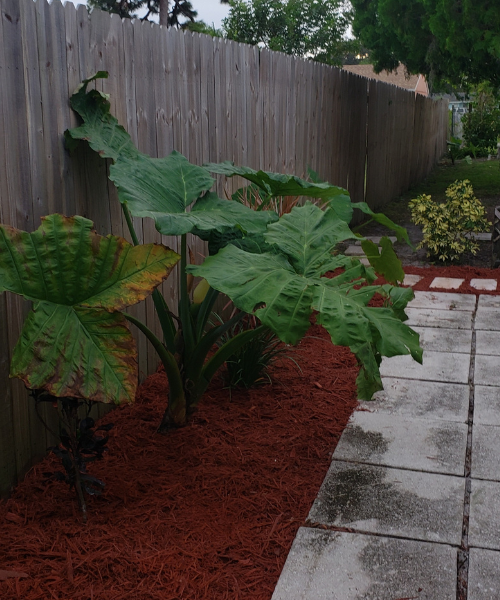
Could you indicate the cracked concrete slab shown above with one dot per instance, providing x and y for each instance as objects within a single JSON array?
[
  {"x": 421, "y": 399},
  {"x": 445, "y": 340},
  {"x": 486, "y": 370},
  {"x": 488, "y": 319},
  {"x": 395, "y": 502},
  {"x": 436, "y": 366},
  {"x": 484, "y": 574},
  {"x": 328, "y": 565},
  {"x": 485, "y": 452},
  {"x": 484, "y": 519},
  {"x": 487, "y": 405},
  {"x": 488, "y": 342},
  {"x": 443, "y": 319},
  {"x": 405, "y": 443},
  {"x": 443, "y": 301}
]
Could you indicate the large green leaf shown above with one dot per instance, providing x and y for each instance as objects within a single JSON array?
[
  {"x": 386, "y": 262},
  {"x": 283, "y": 291},
  {"x": 401, "y": 233},
  {"x": 309, "y": 240},
  {"x": 276, "y": 184},
  {"x": 74, "y": 342},
  {"x": 160, "y": 188},
  {"x": 100, "y": 129}
]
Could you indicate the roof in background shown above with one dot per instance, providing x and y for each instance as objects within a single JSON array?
[{"x": 397, "y": 77}]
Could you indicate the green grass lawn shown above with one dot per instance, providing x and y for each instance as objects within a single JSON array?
[{"x": 483, "y": 175}]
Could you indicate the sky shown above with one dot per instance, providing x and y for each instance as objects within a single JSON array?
[{"x": 210, "y": 11}]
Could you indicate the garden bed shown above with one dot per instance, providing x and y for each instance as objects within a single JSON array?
[{"x": 206, "y": 512}]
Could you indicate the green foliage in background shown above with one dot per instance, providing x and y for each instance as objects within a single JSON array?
[
  {"x": 447, "y": 227},
  {"x": 315, "y": 29}
]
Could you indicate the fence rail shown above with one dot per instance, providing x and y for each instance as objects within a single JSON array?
[{"x": 210, "y": 99}]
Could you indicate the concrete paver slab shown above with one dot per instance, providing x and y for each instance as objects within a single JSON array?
[
  {"x": 487, "y": 301},
  {"x": 445, "y": 319},
  {"x": 376, "y": 239},
  {"x": 436, "y": 366},
  {"x": 422, "y": 399},
  {"x": 484, "y": 574},
  {"x": 488, "y": 342},
  {"x": 395, "y": 502},
  {"x": 486, "y": 452},
  {"x": 484, "y": 519},
  {"x": 486, "y": 370},
  {"x": 445, "y": 340},
  {"x": 411, "y": 280},
  {"x": 488, "y": 319},
  {"x": 417, "y": 444},
  {"x": 446, "y": 283},
  {"x": 443, "y": 301},
  {"x": 354, "y": 251},
  {"x": 484, "y": 284},
  {"x": 487, "y": 405},
  {"x": 327, "y": 565}
]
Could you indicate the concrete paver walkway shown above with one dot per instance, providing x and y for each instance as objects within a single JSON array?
[{"x": 410, "y": 507}]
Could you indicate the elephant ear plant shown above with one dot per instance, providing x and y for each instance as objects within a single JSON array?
[
  {"x": 283, "y": 286},
  {"x": 75, "y": 344}
]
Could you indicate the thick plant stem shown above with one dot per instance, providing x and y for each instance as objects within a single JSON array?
[
  {"x": 175, "y": 414},
  {"x": 166, "y": 322}
]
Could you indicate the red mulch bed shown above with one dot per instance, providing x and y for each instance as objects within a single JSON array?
[{"x": 207, "y": 512}]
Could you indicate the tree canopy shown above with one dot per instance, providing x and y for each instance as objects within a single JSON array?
[
  {"x": 448, "y": 41},
  {"x": 180, "y": 12},
  {"x": 310, "y": 28}
]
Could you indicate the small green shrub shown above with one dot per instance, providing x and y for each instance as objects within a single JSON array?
[
  {"x": 249, "y": 366},
  {"x": 447, "y": 227}
]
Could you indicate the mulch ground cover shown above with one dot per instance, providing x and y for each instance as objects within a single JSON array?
[{"x": 206, "y": 512}]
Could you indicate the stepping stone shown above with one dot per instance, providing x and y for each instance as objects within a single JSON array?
[
  {"x": 485, "y": 452},
  {"x": 484, "y": 520},
  {"x": 446, "y": 283},
  {"x": 437, "y": 366},
  {"x": 488, "y": 301},
  {"x": 422, "y": 399},
  {"x": 484, "y": 284},
  {"x": 354, "y": 251},
  {"x": 445, "y": 319},
  {"x": 395, "y": 502},
  {"x": 411, "y": 280},
  {"x": 484, "y": 574},
  {"x": 417, "y": 444},
  {"x": 488, "y": 319},
  {"x": 444, "y": 301},
  {"x": 445, "y": 340},
  {"x": 486, "y": 405},
  {"x": 488, "y": 342},
  {"x": 486, "y": 370},
  {"x": 376, "y": 239},
  {"x": 331, "y": 565},
  {"x": 480, "y": 236}
]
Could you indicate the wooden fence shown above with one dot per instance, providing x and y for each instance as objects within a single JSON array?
[{"x": 210, "y": 99}]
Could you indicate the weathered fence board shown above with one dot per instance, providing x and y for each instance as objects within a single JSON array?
[{"x": 210, "y": 99}]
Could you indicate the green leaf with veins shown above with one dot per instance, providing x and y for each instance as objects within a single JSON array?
[
  {"x": 275, "y": 184},
  {"x": 284, "y": 289},
  {"x": 74, "y": 341},
  {"x": 160, "y": 188},
  {"x": 386, "y": 262}
]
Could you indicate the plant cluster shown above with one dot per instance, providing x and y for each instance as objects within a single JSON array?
[
  {"x": 448, "y": 227},
  {"x": 76, "y": 341}
]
